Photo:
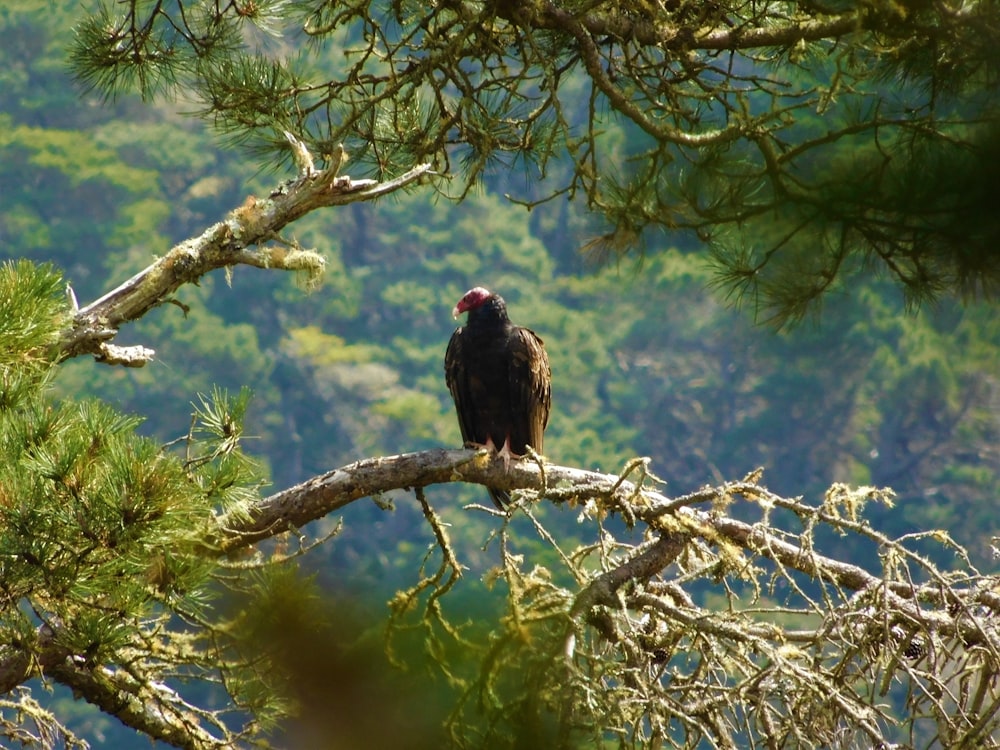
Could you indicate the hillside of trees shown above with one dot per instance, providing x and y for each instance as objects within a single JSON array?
[{"x": 651, "y": 356}]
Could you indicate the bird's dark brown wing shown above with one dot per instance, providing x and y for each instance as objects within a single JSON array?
[
  {"x": 457, "y": 377},
  {"x": 530, "y": 389},
  {"x": 458, "y": 383}
]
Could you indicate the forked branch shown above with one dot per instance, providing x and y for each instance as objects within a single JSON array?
[
  {"x": 241, "y": 239},
  {"x": 602, "y": 493}
]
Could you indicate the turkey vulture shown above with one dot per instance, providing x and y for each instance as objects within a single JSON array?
[{"x": 498, "y": 375}]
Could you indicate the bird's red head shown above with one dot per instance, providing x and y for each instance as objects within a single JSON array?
[{"x": 471, "y": 300}]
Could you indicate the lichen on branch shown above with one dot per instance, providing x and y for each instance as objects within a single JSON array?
[{"x": 250, "y": 235}]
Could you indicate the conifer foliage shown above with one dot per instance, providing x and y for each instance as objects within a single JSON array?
[
  {"x": 839, "y": 136},
  {"x": 104, "y": 539}
]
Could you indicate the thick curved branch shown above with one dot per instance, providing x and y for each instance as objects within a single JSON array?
[
  {"x": 239, "y": 240},
  {"x": 296, "y": 506}
]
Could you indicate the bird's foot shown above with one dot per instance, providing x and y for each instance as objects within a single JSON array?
[{"x": 506, "y": 454}]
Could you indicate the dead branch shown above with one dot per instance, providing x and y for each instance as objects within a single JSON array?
[
  {"x": 241, "y": 239},
  {"x": 296, "y": 506}
]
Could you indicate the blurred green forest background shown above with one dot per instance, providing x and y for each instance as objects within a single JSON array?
[{"x": 648, "y": 358}]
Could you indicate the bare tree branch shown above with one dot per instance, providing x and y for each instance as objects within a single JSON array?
[
  {"x": 240, "y": 239},
  {"x": 296, "y": 506}
]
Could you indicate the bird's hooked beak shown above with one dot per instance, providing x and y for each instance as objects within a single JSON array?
[{"x": 470, "y": 301}]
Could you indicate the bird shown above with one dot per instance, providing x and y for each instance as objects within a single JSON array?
[{"x": 499, "y": 377}]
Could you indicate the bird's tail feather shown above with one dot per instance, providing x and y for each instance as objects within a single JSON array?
[{"x": 500, "y": 498}]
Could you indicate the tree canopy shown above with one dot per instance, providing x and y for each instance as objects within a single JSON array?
[{"x": 805, "y": 141}]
